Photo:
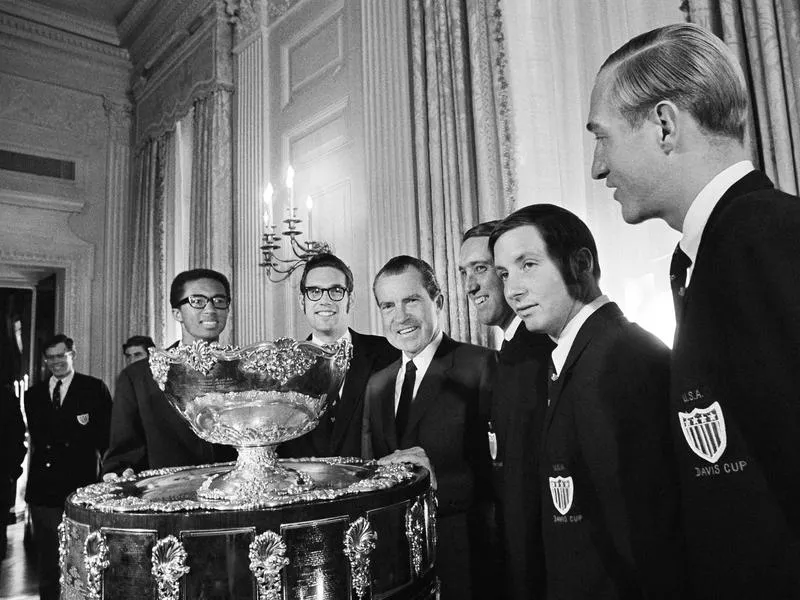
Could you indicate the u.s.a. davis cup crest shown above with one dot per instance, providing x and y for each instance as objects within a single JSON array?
[
  {"x": 704, "y": 430},
  {"x": 562, "y": 490}
]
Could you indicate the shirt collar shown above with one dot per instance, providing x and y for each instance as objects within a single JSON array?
[
  {"x": 424, "y": 358},
  {"x": 346, "y": 336},
  {"x": 65, "y": 382},
  {"x": 510, "y": 331},
  {"x": 570, "y": 332},
  {"x": 704, "y": 203}
]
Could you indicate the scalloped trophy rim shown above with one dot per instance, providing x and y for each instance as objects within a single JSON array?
[{"x": 229, "y": 352}]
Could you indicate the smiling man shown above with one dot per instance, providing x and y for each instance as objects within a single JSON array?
[
  {"x": 68, "y": 418},
  {"x": 146, "y": 432},
  {"x": 430, "y": 399},
  {"x": 326, "y": 296},
  {"x": 519, "y": 393},
  {"x": 609, "y": 498},
  {"x": 136, "y": 348},
  {"x": 669, "y": 111}
]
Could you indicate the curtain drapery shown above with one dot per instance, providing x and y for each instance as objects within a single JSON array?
[
  {"x": 765, "y": 35},
  {"x": 149, "y": 304},
  {"x": 212, "y": 184},
  {"x": 463, "y": 162}
]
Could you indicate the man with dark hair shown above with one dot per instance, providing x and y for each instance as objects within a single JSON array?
[
  {"x": 424, "y": 408},
  {"x": 669, "y": 111},
  {"x": 609, "y": 498},
  {"x": 136, "y": 347},
  {"x": 146, "y": 432},
  {"x": 326, "y": 296},
  {"x": 514, "y": 419},
  {"x": 68, "y": 420}
]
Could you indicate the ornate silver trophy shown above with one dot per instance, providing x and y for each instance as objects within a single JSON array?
[{"x": 252, "y": 398}]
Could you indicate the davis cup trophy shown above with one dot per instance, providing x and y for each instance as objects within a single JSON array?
[{"x": 260, "y": 528}]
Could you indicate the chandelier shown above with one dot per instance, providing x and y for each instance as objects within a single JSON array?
[{"x": 280, "y": 268}]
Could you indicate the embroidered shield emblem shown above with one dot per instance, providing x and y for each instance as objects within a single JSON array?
[
  {"x": 83, "y": 419},
  {"x": 561, "y": 489},
  {"x": 704, "y": 430}
]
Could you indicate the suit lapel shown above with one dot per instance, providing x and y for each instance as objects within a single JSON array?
[
  {"x": 354, "y": 383},
  {"x": 431, "y": 383},
  {"x": 386, "y": 383},
  {"x": 593, "y": 325}
]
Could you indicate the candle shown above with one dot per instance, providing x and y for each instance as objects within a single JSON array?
[
  {"x": 309, "y": 206},
  {"x": 290, "y": 187},
  {"x": 268, "y": 206},
  {"x": 16, "y": 388}
]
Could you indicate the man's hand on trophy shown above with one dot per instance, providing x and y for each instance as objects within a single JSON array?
[
  {"x": 415, "y": 456},
  {"x": 113, "y": 476}
]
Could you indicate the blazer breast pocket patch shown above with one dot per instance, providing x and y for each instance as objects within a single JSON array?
[
  {"x": 704, "y": 430},
  {"x": 83, "y": 419},
  {"x": 562, "y": 491}
]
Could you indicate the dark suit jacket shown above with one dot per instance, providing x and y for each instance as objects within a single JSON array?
[
  {"x": 339, "y": 430},
  {"x": 738, "y": 354},
  {"x": 519, "y": 398},
  {"x": 147, "y": 433},
  {"x": 66, "y": 443},
  {"x": 607, "y": 429},
  {"x": 12, "y": 445},
  {"x": 444, "y": 420}
]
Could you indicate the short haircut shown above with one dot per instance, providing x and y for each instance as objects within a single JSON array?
[
  {"x": 400, "y": 264},
  {"x": 181, "y": 279},
  {"x": 145, "y": 341},
  {"x": 59, "y": 339},
  {"x": 686, "y": 64},
  {"x": 480, "y": 230},
  {"x": 564, "y": 234},
  {"x": 327, "y": 260}
]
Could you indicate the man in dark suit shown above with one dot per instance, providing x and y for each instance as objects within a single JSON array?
[
  {"x": 518, "y": 395},
  {"x": 68, "y": 420},
  {"x": 146, "y": 432},
  {"x": 673, "y": 147},
  {"x": 609, "y": 497},
  {"x": 326, "y": 295},
  {"x": 430, "y": 399}
]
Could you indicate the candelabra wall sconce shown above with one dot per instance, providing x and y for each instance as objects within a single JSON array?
[{"x": 278, "y": 267}]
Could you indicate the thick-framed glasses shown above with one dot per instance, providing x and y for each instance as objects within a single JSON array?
[
  {"x": 55, "y": 357},
  {"x": 335, "y": 293},
  {"x": 199, "y": 301}
]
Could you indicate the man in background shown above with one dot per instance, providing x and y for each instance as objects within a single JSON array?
[
  {"x": 136, "y": 348},
  {"x": 146, "y": 432},
  {"x": 12, "y": 451},
  {"x": 514, "y": 419},
  {"x": 68, "y": 420},
  {"x": 326, "y": 296},
  {"x": 669, "y": 112},
  {"x": 425, "y": 407}
]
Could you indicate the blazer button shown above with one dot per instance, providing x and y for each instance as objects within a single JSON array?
[
  {"x": 47, "y": 465},
  {"x": 66, "y": 444},
  {"x": 48, "y": 446}
]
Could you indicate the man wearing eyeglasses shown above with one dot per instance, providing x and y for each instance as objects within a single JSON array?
[
  {"x": 146, "y": 432},
  {"x": 326, "y": 296},
  {"x": 68, "y": 419}
]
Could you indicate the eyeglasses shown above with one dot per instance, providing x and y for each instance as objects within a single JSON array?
[
  {"x": 199, "y": 301},
  {"x": 335, "y": 293},
  {"x": 55, "y": 357}
]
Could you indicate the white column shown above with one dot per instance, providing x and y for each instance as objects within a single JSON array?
[
  {"x": 116, "y": 273},
  {"x": 252, "y": 307},
  {"x": 387, "y": 135}
]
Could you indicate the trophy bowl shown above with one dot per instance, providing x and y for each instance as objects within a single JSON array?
[{"x": 252, "y": 398}]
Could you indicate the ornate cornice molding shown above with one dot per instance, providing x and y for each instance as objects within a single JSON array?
[
  {"x": 57, "y": 38},
  {"x": 29, "y": 200},
  {"x": 46, "y": 15},
  {"x": 134, "y": 17}
]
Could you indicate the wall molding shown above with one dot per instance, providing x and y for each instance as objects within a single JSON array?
[{"x": 47, "y": 15}]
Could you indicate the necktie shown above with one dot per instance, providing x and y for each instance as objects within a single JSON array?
[
  {"x": 551, "y": 378},
  {"x": 406, "y": 394},
  {"x": 677, "y": 279},
  {"x": 57, "y": 395}
]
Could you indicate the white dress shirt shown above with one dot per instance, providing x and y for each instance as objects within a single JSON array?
[
  {"x": 570, "y": 332},
  {"x": 347, "y": 337},
  {"x": 422, "y": 361},
  {"x": 703, "y": 205},
  {"x": 64, "y": 386}
]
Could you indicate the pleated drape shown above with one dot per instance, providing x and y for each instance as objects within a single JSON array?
[
  {"x": 462, "y": 139},
  {"x": 765, "y": 35}
]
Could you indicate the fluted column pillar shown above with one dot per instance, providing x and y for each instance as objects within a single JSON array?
[
  {"x": 253, "y": 294},
  {"x": 387, "y": 133},
  {"x": 116, "y": 273}
]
